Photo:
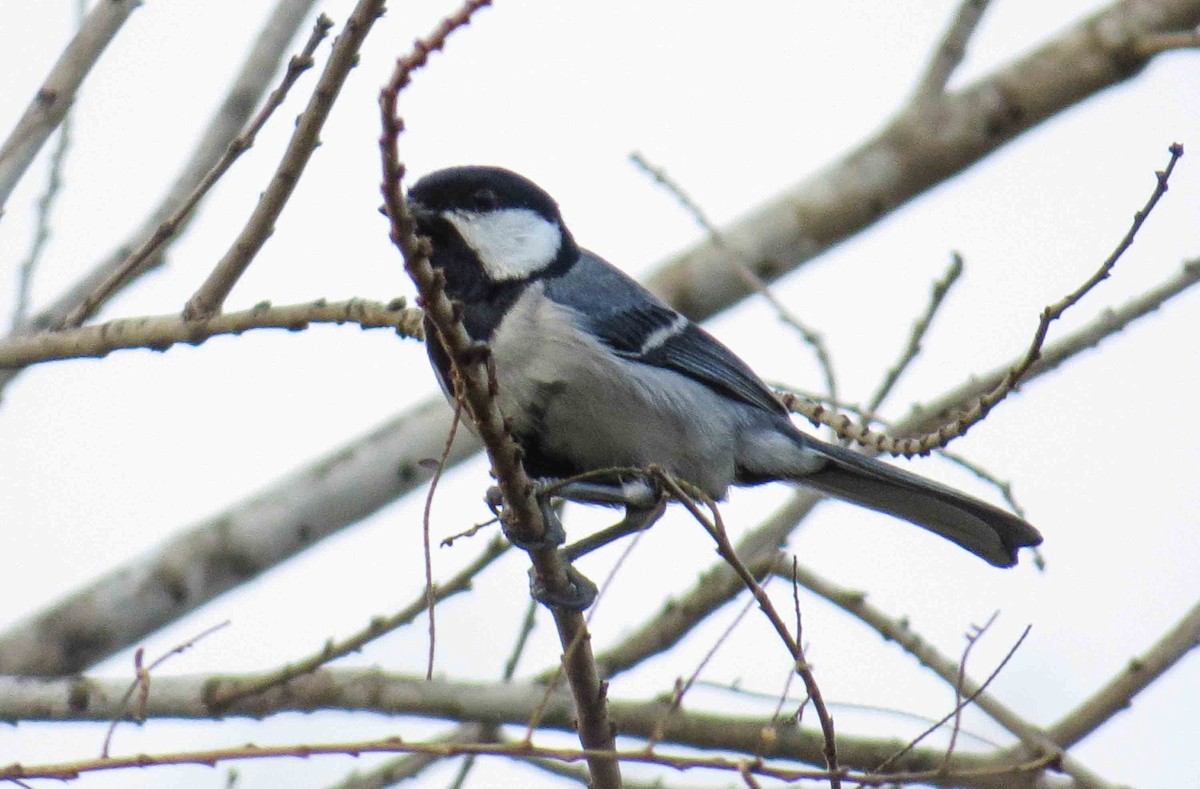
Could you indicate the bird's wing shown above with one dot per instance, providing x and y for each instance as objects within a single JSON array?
[
  {"x": 636, "y": 325},
  {"x": 661, "y": 337}
]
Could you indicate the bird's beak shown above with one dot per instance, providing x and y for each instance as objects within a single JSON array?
[{"x": 420, "y": 213}]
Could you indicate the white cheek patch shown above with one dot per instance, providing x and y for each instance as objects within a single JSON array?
[{"x": 512, "y": 243}]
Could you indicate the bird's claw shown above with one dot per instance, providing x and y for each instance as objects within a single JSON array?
[{"x": 580, "y": 595}]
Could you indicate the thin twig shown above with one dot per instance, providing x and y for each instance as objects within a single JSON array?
[
  {"x": 395, "y": 771},
  {"x": 737, "y": 260},
  {"x": 577, "y": 642},
  {"x": 527, "y": 624},
  {"x": 45, "y": 206},
  {"x": 681, "y": 688},
  {"x": 522, "y": 517},
  {"x": 430, "y": 599},
  {"x": 897, "y": 630},
  {"x": 232, "y": 692},
  {"x": 1151, "y": 45},
  {"x": 510, "y": 670},
  {"x": 950, "y": 51},
  {"x": 736, "y": 689},
  {"x": 936, "y": 298},
  {"x": 128, "y": 268},
  {"x": 41, "y": 235},
  {"x": 798, "y": 715},
  {"x": 972, "y": 637},
  {"x": 962, "y": 421},
  {"x": 141, "y": 681},
  {"x": 716, "y": 529},
  {"x": 961, "y": 703},
  {"x": 52, "y": 100}
]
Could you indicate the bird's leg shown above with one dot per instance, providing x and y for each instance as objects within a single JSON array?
[
  {"x": 638, "y": 493},
  {"x": 636, "y": 519},
  {"x": 644, "y": 505}
]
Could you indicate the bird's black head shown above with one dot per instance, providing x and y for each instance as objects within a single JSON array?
[{"x": 491, "y": 220}]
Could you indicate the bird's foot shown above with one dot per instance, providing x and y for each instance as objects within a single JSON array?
[
  {"x": 579, "y": 596},
  {"x": 554, "y": 535}
]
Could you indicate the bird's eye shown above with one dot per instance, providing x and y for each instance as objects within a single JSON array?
[{"x": 485, "y": 200}]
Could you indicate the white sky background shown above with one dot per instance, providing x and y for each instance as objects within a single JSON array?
[{"x": 100, "y": 460}]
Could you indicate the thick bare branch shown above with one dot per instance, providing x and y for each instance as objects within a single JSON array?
[
  {"x": 230, "y": 548},
  {"x": 1118, "y": 694},
  {"x": 190, "y": 697}
]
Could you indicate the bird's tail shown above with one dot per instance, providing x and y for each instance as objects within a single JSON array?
[{"x": 989, "y": 532}]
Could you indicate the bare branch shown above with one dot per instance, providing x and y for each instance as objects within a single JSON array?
[
  {"x": 522, "y": 518},
  {"x": 394, "y": 771},
  {"x": 738, "y": 261},
  {"x": 141, "y": 682},
  {"x": 243, "y": 96},
  {"x": 963, "y": 421},
  {"x": 45, "y": 206},
  {"x": 129, "y": 267},
  {"x": 211, "y": 295},
  {"x": 716, "y": 529},
  {"x": 940, "y": 288},
  {"x": 380, "y": 626},
  {"x": 1118, "y": 694},
  {"x": 921, "y": 147},
  {"x": 1151, "y": 45},
  {"x": 231, "y": 547},
  {"x": 714, "y": 588},
  {"x": 57, "y": 93},
  {"x": 426, "y": 531},
  {"x": 160, "y": 332},
  {"x": 950, "y": 51},
  {"x": 891, "y": 629},
  {"x": 985, "y": 776},
  {"x": 186, "y": 697},
  {"x": 961, "y": 703}
]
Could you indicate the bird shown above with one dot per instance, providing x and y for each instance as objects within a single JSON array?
[{"x": 596, "y": 372}]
